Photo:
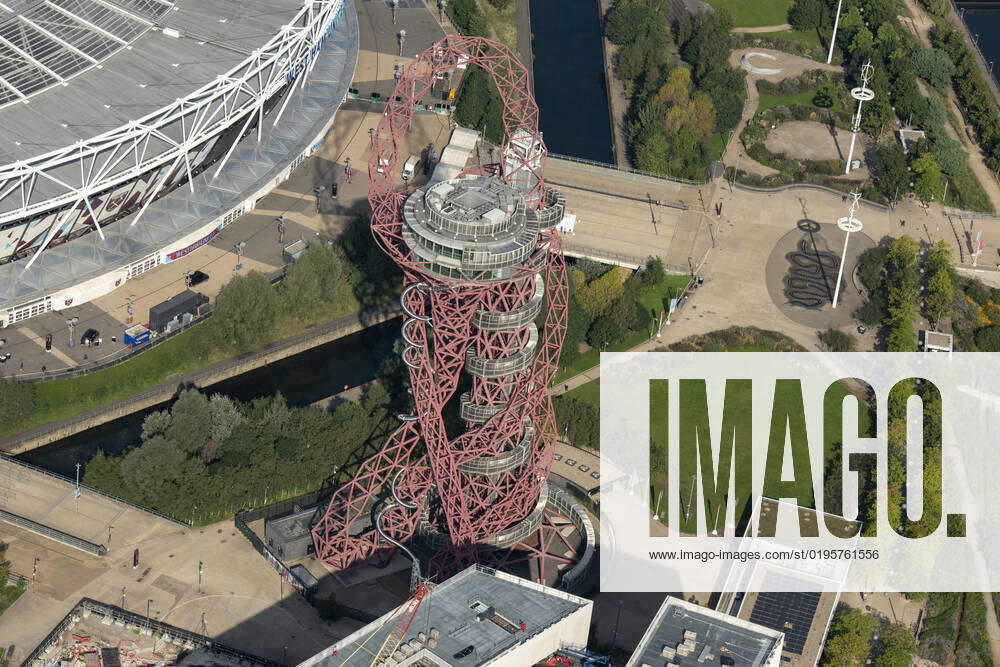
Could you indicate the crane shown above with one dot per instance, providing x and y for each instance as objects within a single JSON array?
[{"x": 400, "y": 627}]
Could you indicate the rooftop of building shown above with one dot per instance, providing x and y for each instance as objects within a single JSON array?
[
  {"x": 177, "y": 214},
  {"x": 74, "y": 69},
  {"x": 713, "y": 638},
  {"x": 479, "y": 608}
]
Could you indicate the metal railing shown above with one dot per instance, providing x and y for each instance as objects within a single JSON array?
[
  {"x": 948, "y": 211},
  {"x": 190, "y": 640},
  {"x": 627, "y": 170},
  {"x": 317, "y": 498},
  {"x": 991, "y": 80},
  {"x": 54, "y": 534},
  {"x": 207, "y": 311},
  {"x": 85, "y": 487},
  {"x": 807, "y": 186},
  {"x": 620, "y": 259}
]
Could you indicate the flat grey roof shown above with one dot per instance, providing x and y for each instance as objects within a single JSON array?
[
  {"x": 451, "y": 608},
  {"x": 720, "y": 639},
  {"x": 125, "y": 82}
]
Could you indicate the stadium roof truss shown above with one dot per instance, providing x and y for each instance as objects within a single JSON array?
[{"x": 52, "y": 40}]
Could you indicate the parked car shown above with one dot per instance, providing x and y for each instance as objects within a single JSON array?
[
  {"x": 595, "y": 475},
  {"x": 90, "y": 337},
  {"x": 192, "y": 278},
  {"x": 48, "y": 342},
  {"x": 557, "y": 457},
  {"x": 571, "y": 462},
  {"x": 584, "y": 468}
]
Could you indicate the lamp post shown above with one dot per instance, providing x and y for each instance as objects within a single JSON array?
[
  {"x": 862, "y": 94},
  {"x": 395, "y": 6},
  {"x": 401, "y": 36},
  {"x": 200, "y": 570},
  {"x": 441, "y": 6},
  {"x": 76, "y": 492},
  {"x": 149, "y": 604},
  {"x": 847, "y": 225}
]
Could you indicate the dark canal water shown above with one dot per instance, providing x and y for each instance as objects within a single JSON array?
[
  {"x": 569, "y": 78},
  {"x": 986, "y": 24},
  {"x": 302, "y": 379}
]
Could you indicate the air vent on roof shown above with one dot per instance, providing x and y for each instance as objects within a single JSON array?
[{"x": 172, "y": 32}]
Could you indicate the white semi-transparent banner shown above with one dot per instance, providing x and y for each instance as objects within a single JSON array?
[{"x": 774, "y": 472}]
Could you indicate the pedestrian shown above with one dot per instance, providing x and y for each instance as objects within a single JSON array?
[{"x": 114, "y": 339}]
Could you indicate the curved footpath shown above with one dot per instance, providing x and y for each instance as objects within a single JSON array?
[{"x": 791, "y": 66}]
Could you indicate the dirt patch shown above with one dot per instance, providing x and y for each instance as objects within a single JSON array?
[{"x": 810, "y": 140}]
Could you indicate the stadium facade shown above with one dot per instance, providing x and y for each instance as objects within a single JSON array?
[{"x": 136, "y": 130}]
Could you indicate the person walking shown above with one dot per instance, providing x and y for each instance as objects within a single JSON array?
[{"x": 281, "y": 229}]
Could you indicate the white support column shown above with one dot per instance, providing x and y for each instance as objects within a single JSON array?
[
  {"x": 833, "y": 37},
  {"x": 847, "y": 225},
  {"x": 862, "y": 94}
]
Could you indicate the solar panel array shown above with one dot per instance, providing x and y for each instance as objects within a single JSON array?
[
  {"x": 791, "y": 613},
  {"x": 57, "y": 39}
]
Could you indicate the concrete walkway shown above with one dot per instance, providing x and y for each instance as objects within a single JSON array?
[{"x": 781, "y": 27}]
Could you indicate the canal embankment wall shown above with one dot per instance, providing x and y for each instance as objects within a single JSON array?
[{"x": 30, "y": 439}]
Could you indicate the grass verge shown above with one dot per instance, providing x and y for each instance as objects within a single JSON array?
[{"x": 747, "y": 14}]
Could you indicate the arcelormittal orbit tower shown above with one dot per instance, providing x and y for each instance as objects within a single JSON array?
[{"x": 485, "y": 303}]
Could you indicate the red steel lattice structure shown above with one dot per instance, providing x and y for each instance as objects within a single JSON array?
[{"x": 487, "y": 485}]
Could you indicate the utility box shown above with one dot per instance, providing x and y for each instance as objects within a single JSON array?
[
  {"x": 293, "y": 251},
  {"x": 162, "y": 314},
  {"x": 137, "y": 335},
  {"x": 288, "y": 535},
  {"x": 310, "y": 585}
]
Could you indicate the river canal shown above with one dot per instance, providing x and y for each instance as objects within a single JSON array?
[
  {"x": 302, "y": 379},
  {"x": 569, "y": 78}
]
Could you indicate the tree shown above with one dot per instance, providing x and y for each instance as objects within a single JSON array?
[
  {"x": 929, "y": 182},
  {"x": 940, "y": 301},
  {"x": 653, "y": 274},
  {"x": 950, "y": 155},
  {"x": 890, "y": 164},
  {"x": 246, "y": 311},
  {"x": 653, "y": 154},
  {"x": 931, "y": 114},
  {"x": 850, "y": 635},
  {"x": 577, "y": 324},
  {"x": 314, "y": 278},
  {"x": 807, "y": 14},
  {"x": 837, "y": 340},
  {"x": 988, "y": 339},
  {"x": 627, "y": 22},
  {"x": 934, "y": 66},
  {"x": 604, "y": 332}
]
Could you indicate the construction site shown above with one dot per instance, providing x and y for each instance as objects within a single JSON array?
[{"x": 94, "y": 634}]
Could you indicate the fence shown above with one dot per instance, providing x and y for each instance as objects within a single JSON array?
[
  {"x": 53, "y": 534},
  {"x": 617, "y": 258},
  {"x": 367, "y": 317},
  {"x": 179, "y": 636},
  {"x": 627, "y": 170},
  {"x": 621, "y": 195},
  {"x": 242, "y": 519},
  {"x": 90, "y": 489},
  {"x": 807, "y": 186},
  {"x": 974, "y": 45},
  {"x": 273, "y": 277},
  {"x": 959, "y": 213}
]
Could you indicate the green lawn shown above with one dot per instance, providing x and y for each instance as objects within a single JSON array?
[
  {"x": 656, "y": 300},
  {"x": 8, "y": 595},
  {"x": 805, "y": 98},
  {"x": 754, "y": 13},
  {"x": 589, "y": 392},
  {"x": 808, "y": 38}
]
